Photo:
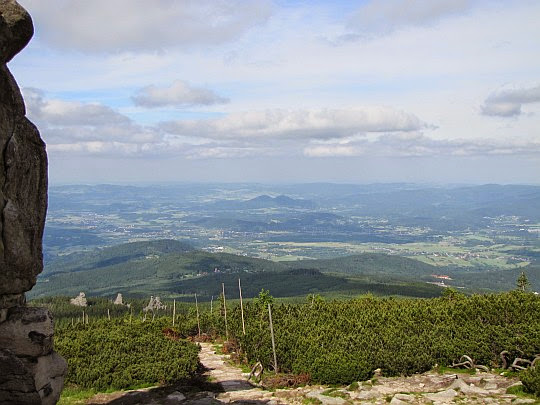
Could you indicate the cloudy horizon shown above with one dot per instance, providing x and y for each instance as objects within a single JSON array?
[{"x": 269, "y": 91}]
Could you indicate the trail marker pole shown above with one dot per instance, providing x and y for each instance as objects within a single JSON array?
[
  {"x": 241, "y": 307},
  {"x": 273, "y": 341},
  {"x": 173, "y": 312},
  {"x": 225, "y": 312},
  {"x": 108, "y": 314},
  {"x": 197, "y": 308},
  {"x": 211, "y": 304}
]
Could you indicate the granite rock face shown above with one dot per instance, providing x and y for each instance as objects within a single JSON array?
[
  {"x": 30, "y": 372},
  {"x": 23, "y": 166}
]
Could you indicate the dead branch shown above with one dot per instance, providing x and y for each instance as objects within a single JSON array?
[{"x": 256, "y": 372}]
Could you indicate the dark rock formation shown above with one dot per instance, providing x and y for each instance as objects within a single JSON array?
[{"x": 30, "y": 372}]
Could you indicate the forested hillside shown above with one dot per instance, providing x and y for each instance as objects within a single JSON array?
[{"x": 175, "y": 269}]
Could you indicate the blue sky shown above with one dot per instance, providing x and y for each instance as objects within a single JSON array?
[{"x": 215, "y": 90}]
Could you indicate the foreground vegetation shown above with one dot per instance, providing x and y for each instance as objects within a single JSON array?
[
  {"x": 120, "y": 354},
  {"x": 334, "y": 342},
  {"x": 342, "y": 342}
]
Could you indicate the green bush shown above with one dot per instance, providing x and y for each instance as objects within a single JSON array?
[
  {"x": 345, "y": 341},
  {"x": 531, "y": 380},
  {"x": 119, "y": 355}
]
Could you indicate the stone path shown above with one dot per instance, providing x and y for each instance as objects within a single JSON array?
[{"x": 229, "y": 385}]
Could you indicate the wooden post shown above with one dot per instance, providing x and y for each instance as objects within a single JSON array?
[
  {"x": 174, "y": 311},
  {"x": 130, "y": 314},
  {"x": 241, "y": 308},
  {"x": 225, "y": 312},
  {"x": 211, "y": 302},
  {"x": 197, "y": 308},
  {"x": 273, "y": 341},
  {"x": 108, "y": 314}
]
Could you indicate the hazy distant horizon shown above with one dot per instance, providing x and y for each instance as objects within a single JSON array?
[{"x": 280, "y": 184}]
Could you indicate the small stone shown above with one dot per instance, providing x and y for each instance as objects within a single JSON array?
[
  {"x": 176, "y": 396},
  {"x": 462, "y": 386},
  {"x": 405, "y": 397},
  {"x": 443, "y": 396}
]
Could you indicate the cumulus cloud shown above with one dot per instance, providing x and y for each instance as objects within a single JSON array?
[
  {"x": 298, "y": 124},
  {"x": 378, "y": 17},
  {"x": 178, "y": 94},
  {"x": 61, "y": 112},
  {"x": 140, "y": 25},
  {"x": 508, "y": 103},
  {"x": 420, "y": 145},
  {"x": 94, "y": 129},
  {"x": 71, "y": 126}
]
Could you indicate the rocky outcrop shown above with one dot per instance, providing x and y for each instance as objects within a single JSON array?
[
  {"x": 79, "y": 300},
  {"x": 30, "y": 372},
  {"x": 119, "y": 299},
  {"x": 154, "y": 304}
]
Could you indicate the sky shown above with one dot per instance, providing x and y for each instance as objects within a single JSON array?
[{"x": 444, "y": 91}]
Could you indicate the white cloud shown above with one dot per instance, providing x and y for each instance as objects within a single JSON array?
[
  {"x": 377, "y": 17},
  {"x": 178, "y": 94},
  {"x": 298, "y": 124},
  {"x": 419, "y": 145},
  {"x": 508, "y": 103},
  {"x": 93, "y": 128},
  {"x": 61, "y": 112},
  {"x": 74, "y": 128},
  {"x": 120, "y": 25},
  {"x": 332, "y": 150}
]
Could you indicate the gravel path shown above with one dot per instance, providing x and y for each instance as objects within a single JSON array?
[{"x": 227, "y": 384}]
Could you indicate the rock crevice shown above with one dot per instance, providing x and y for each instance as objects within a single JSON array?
[{"x": 30, "y": 371}]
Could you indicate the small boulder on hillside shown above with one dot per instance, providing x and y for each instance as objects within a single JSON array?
[
  {"x": 79, "y": 300},
  {"x": 119, "y": 300},
  {"x": 154, "y": 304}
]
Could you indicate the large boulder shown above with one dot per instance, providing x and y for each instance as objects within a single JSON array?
[
  {"x": 23, "y": 166},
  {"x": 30, "y": 371}
]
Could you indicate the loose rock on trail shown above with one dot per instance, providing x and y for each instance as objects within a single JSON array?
[{"x": 227, "y": 384}]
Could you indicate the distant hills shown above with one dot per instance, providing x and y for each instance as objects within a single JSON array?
[
  {"x": 114, "y": 255},
  {"x": 261, "y": 202},
  {"x": 174, "y": 269},
  {"x": 85, "y": 216}
]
